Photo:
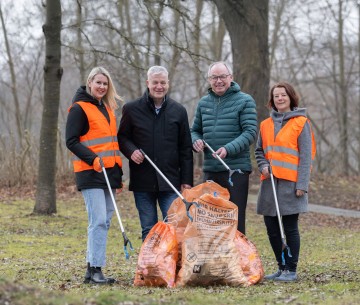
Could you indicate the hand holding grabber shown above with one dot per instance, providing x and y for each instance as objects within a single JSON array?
[
  {"x": 231, "y": 171},
  {"x": 187, "y": 204}
]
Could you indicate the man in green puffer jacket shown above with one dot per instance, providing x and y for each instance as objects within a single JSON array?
[{"x": 226, "y": 119}]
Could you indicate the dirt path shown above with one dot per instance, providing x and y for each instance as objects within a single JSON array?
[
  {"x": 333, "y": 211},
  {"x": 321, "y": 209}
]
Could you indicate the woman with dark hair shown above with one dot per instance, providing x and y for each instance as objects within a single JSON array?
[{"x": 286, "y": 143}]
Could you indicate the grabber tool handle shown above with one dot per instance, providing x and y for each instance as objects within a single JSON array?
[
  {"x": 284, "y": 244},
  {"x": 276, "y": 204},
  {"x": 231, "y": 172},
  {"x": 217, "y": 156},
  {"x": 162, "y": 175},
  {"x": 116, "y": 210},
  {"x": 187, "y": 204}
]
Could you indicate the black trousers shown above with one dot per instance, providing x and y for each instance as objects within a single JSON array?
[
  {"x": 292, "y": 236},
  {"x": 238, "y": 192}
]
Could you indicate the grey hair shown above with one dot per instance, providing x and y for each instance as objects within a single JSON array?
[
  {"x": 157, "y": 70},
  {"x": 222, "y": 63}
]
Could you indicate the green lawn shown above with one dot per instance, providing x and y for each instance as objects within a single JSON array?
[{"x": 42, "y": 262}]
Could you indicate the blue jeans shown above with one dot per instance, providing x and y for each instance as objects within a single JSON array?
[
  {"x": 146, "y": 204},
  {"x": 100, "y": 208}
]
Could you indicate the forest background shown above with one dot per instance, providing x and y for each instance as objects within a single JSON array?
[
  {"x": 47, "y": 49},
  {"x": 312, "y": 44}
]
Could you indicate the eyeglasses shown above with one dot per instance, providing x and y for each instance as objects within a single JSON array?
[{"x": 214, "y": 78}]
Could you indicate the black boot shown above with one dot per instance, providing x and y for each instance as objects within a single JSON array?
[
  {"x": 87, "y": 274},
  {"x": 97, "y": 277}
]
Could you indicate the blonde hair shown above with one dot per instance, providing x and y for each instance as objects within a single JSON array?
[{"x": 111, "y": 95}]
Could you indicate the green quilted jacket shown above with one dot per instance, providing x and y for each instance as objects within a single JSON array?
[{"x": 228, "y": 121}]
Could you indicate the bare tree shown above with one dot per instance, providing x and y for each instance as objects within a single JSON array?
[
  {"x": 80, "y": 48},
  {"x": 46, "y": 186},
  {"x": 247, "y": 24},
  {"x": 279, "y": 9},
  {"x": 218, "y": 32},
  {"x": 197, "y": 46},
  {"x": 186, "y": 36},
  {"x": 128, "y": 27},
  {"x": 343, "y": 107},
  {"x": 17, "y": 112},
  {"x": 319, "y": 57},
  {"x": 358, "y": 133}
]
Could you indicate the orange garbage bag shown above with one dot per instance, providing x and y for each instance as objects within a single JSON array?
[
  {"x": 208, "y": 187},
  {"x": 249, "y": 259},
  {"x": 177, "y": 211},
  {"x": 157, "y": 259},
  {"x": 209, "y": 254}
]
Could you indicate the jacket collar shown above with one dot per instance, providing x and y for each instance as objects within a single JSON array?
[
  {"x": 150, "y": 102},
  {"x": 82, "y": 95},
  {"x": 234, "y": 87}
]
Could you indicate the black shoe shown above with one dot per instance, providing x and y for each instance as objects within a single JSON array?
[
  {"x": 94, "y": 275},
  {"x": 87, "y": 277}
]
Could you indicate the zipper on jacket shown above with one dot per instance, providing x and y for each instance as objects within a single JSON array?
[{"x": 217, "y": 104}]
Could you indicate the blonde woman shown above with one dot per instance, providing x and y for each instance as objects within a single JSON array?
[{"x": 91, "y": 135}]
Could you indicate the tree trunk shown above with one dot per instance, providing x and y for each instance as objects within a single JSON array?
[
  {"x": 176, "y": 53},
  {"x": 247, "y": 24},
  {"x": 280, "y": 7},
  {"x": 138, "y": 82},
  {"x": 80, "y": 47},
  {"x": 13, "y": 81},
  {"x": 218, "y": 32},
  {"x": 46, "y": 187},
  {"x": 343, "y": 95},
  {"x": 358, "y": 155},
  {"x": 198, "y": 157}
]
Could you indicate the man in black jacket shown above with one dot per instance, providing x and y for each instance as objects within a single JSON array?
[{"x": 159, "y": 126}]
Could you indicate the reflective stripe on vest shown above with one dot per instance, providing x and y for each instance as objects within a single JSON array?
[
  {"x": 283, "y": 152},
  {"x": 101, "y": 138},
  {"x": 89, "y": 143},
  {"x": 102, "y": 154}
]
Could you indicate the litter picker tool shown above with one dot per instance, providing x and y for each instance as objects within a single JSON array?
[
  {"x": 126, "y": 240},
  {"x": 284, "y": 245},
  {"x": 231, "y": 171},
  {"x": 187, "y": 203}
]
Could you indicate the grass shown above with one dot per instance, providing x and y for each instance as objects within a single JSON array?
[{"x": 43, "y": 262}]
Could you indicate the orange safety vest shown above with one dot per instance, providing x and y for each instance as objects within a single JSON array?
[
  {"x": 283, "y": 151},
  {"x": 101, "y": 138}
]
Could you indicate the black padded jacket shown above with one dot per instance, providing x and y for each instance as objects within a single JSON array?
[{"x": 164, "y": 137}]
